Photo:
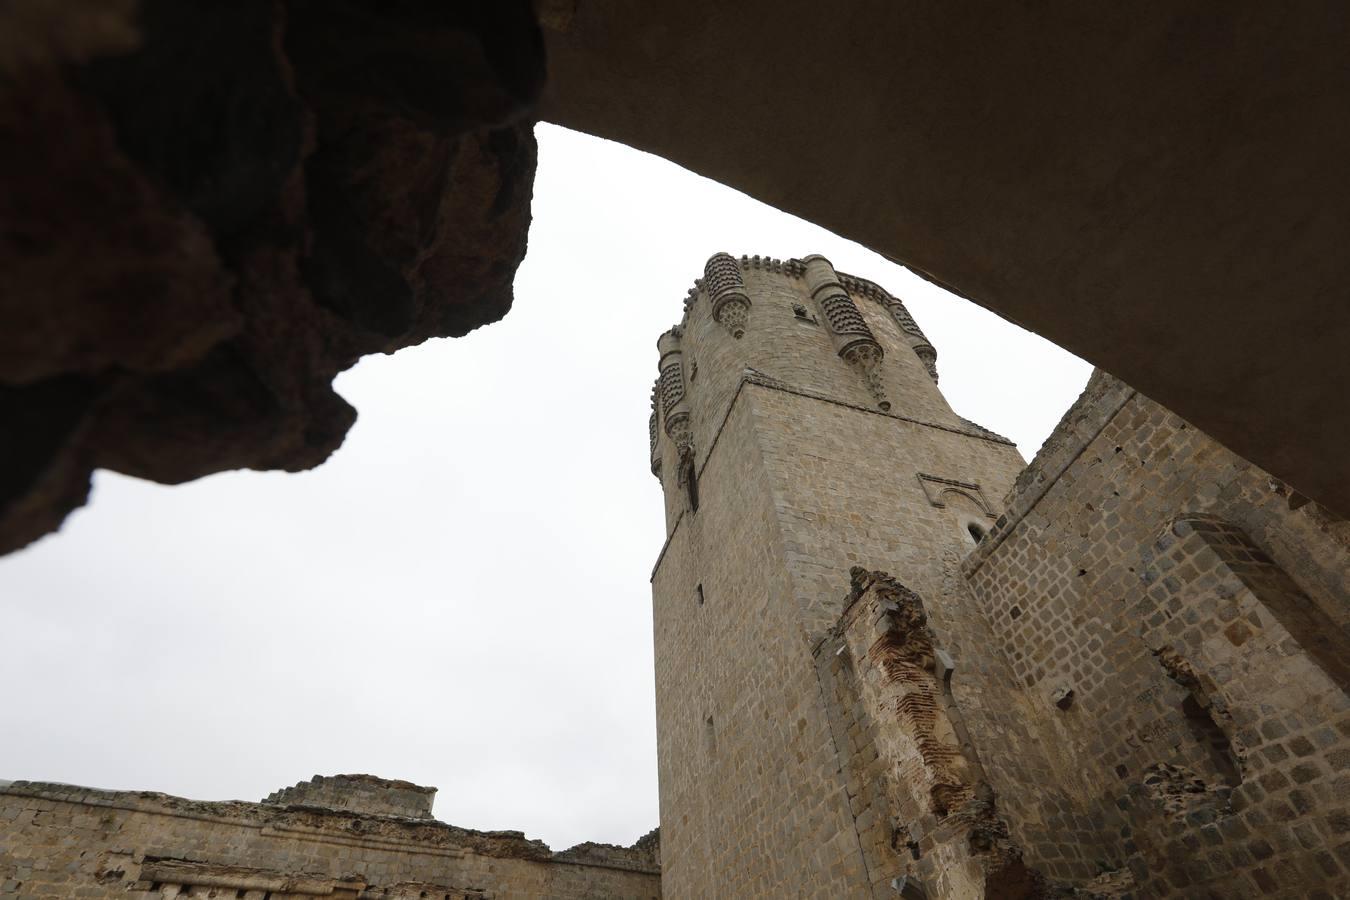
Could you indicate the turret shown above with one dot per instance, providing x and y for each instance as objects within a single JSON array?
[{"x": 852, "y": 338}]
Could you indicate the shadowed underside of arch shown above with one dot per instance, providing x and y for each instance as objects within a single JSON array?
[
  {"x": 1158, "y": 190},
  {"x": 208, "y": 215}
]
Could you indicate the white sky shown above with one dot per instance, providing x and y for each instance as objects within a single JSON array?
[{"x": 460, "y": 596}]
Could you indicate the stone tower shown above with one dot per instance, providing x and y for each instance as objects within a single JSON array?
[{"x": 798, "y": 432}]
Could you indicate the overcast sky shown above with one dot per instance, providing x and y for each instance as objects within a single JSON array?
[{"x": 460, "y": 596}]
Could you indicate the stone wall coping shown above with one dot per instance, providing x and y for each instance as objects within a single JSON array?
[
  {"x": 666, "y": 546},
  {"x": 1102, "y": 399}
]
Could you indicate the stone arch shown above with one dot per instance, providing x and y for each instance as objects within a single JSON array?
[
  {"x": 942, "y": 492},
  {"x": 969, "y": 514},
  {"x": 954, "y": 495}
]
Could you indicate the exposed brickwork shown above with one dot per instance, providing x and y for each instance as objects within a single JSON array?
[{"x": 945, "y": 829}]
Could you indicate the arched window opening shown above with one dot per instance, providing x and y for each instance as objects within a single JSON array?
[{"x": 975, "y": 531}]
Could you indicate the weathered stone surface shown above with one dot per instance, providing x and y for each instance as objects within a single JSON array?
[
  {"x": 1202, "y": 621},
  {"x": 367, "y": 794},
  {"x": 210, "y": 210},
  {"x": 341, "y": 841},
  {"x": 1160, "y": 190}
]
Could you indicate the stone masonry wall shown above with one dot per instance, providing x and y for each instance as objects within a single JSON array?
[
  {"x": 748, "y": 782},
  {"x": 62, "y": 841},
  {"x": 1177, "y": 620}
]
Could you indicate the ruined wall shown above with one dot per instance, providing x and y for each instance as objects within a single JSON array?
[
  {"x": 920, "y": 792},
  {"x": 359, "y": 793},
  {"x": 1177, "y": 621},
  {"x": 60, "y": 841}
]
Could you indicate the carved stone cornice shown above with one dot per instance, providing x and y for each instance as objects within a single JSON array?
[
  {"x": 653, "y": 447},
  {"x": 674, "y": 406}
]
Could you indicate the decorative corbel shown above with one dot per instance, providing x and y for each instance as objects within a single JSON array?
[
  {"x": 674, "y": 404},
  {"x": 918, "y": 341},
  {"x": 654, "y": 448}
]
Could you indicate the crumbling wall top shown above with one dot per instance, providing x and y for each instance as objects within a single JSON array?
[
  {"x": 1102, "y": 398},
  {"x": 359, "y": 793}
]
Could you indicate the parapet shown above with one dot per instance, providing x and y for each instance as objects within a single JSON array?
[
  {"x": 364, "y": 794},
  {"x": 644, "y": 855}
]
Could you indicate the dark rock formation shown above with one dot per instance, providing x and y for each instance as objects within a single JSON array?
[{"x": 210, "y": 209}]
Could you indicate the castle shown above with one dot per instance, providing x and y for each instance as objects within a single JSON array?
[
  {"x": 891, "y": 660},
  {"x": 876, "y": 675}
]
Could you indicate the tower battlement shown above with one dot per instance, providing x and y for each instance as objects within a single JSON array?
[
  {"x": 797, "y": 323},
  {"x": 797, "y": 268}
]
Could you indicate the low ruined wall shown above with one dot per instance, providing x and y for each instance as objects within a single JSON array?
[{"x": 64, "y": 841}]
